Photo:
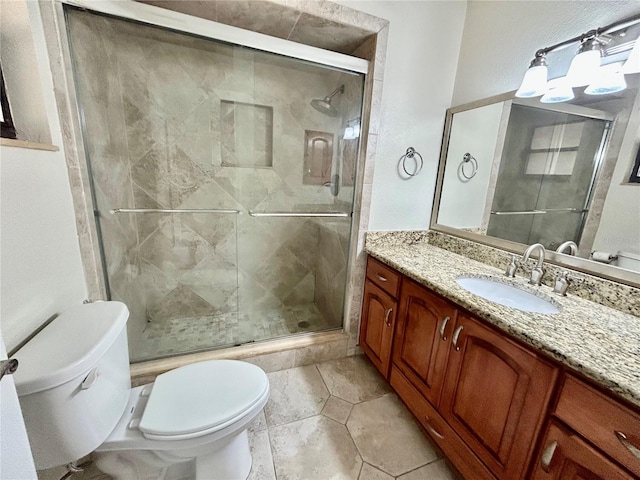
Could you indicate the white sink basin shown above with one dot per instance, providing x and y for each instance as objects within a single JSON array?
[{"x": 508, "y": 295}]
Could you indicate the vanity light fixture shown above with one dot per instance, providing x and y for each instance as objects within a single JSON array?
[{"x": 585, "y": 68}]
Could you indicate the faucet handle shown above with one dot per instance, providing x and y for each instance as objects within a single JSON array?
[
  {"x": 511, "y": 267},
  {"x": 563, "y": 280}
]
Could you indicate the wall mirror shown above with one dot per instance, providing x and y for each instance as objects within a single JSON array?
[{"x": 517, "y": 171}]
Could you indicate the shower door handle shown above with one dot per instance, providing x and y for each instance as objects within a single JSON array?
[
  {"x": 174, "y": 210},
  {"x": 300, "y": 214}
]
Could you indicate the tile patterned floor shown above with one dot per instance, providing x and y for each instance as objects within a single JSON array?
[
  {"x": 192, "y": 334},
  {"x": 336, "y": 420}
]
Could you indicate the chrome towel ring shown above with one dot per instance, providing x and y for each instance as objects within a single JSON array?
[
  {"x": 467, "y": 158},
  {"x": 411, "y": 154}
]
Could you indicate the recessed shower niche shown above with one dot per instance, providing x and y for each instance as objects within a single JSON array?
[
  {"x": 196, "y": 153},
  {"x": 246, "y": 134}
]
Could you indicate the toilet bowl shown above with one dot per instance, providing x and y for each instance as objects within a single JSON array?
[{"x": 76, "y": 397}]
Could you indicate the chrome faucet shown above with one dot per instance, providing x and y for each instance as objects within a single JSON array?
[
  {"x": 573, "y": 248},
  {"x": 537, "y": 272}
]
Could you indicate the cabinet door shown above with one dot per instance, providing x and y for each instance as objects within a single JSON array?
[
  {"x": 495, "y": 396},
  {"x": 376, "y": 326},
  {"x": 421, "y": 342},
  {"x": 566, "y": 456}
]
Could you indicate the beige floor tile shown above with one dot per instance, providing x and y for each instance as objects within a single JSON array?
[
  {"x": 262, "y": 466},
  {"x": 387, "y": 436},
  {"x": 337, "y": 409},
  {"x": 372, "y": 473},
  {"x": 438, "y": 470},
  {"x": 315, "y": 448},
  {"x": 295, "y": 394},
  {"x": 259, "y": 423},
  {"x": 353, "y": 379}
]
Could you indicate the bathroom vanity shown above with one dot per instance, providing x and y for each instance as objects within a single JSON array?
[{"x": 504, "y": 393}]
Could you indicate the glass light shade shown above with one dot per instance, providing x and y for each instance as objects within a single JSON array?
[
  {"x": 583, "y": 68},
  {"x": 609, "y": 79},
  {"x": 534, "y": 82},
  {"x": 632, "y": 65},
  {"x": 559, "y": 91}
]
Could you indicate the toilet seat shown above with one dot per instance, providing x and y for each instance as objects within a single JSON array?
[{"x": 201, "y": 398}]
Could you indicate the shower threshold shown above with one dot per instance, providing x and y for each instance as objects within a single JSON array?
[{"x": 184, "y": 335}]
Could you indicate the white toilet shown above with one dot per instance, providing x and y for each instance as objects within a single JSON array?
[{"x": 76, "y": 397}]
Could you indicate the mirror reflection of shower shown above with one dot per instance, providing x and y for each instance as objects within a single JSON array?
[{"x": 324, "y": 105}]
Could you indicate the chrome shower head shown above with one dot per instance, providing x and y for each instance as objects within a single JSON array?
[{"x": 324, "y": 105}]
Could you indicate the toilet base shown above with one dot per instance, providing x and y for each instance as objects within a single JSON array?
[{"x": 232, "y": 461}]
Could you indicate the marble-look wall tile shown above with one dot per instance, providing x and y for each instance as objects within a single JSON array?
[
  {"x": 274, "y": 362},
  {"x": 370, "y": 164},
  {"x": 381, "y": 53},
  {"x": 198, "y": 8},
  {"x": 376, "y": 107},
  {"x": 321, "y": 352},
  {"x": 264, "y": 17},
  {"x": 327, "y": 34}
]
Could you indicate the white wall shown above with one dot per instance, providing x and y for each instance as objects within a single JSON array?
[
  {"x": 474, "y": 131},
  {"x": 422, "y": 54},
  {"x": 41, "y": 272}
]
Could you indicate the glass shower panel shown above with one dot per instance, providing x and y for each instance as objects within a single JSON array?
[
  {"x": 188, "y": 141},
  {"x": 546, "y": 175}
]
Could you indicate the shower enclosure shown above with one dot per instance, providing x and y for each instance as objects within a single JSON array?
[{"x": 223, "y": 198}]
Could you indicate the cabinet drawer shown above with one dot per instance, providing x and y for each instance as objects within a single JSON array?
[
  {"x": 597, "y": 418},
  {"x": 385, "y": 277},
  {"x": 458, "y": 452}
]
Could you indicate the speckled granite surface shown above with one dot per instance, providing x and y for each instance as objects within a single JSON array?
[{"x": 600, "y": 342}]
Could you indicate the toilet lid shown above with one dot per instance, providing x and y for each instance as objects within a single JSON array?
[{"x": 202, "y": 396}]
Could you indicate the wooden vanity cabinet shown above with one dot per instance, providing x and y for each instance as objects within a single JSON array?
[
  {"x": 484, "y": 397},
  {"x": 496, "y": 396},
  {"x": 422, "y": 336},
  {"x": 566, "y": 456},
  {"x": 379, "y": 309},
  {"x": 595, "y": 428}
]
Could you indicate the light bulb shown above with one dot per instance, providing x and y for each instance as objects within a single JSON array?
[
  {"x": 585, "y": 64},
  {"x": 609, "y": 79},
  {"x": 559, "y": 91},
  {"x": 534, "y": 82}
]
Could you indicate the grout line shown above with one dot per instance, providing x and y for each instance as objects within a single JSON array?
[{"x": 273, "y": 458}]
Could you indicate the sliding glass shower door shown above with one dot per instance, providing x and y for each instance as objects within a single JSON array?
[{"x": 223, "y": 196}]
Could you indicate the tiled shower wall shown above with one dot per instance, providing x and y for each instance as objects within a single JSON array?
[{"x": 156, "y": 139}]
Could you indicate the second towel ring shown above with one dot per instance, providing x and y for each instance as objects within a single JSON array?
[
  {"x": 411, "y": 153},
  {"x": 467, "y": 158}
]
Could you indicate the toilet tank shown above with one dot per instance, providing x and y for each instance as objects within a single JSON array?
[{"x": 73, "y": 382}]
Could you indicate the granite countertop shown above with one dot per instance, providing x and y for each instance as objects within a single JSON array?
[{"x": 598, "y": 341}]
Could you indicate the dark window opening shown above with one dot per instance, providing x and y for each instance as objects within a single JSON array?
[
  {"x": 635, "y": 171},
  {"x": 7, "y": 130}
]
